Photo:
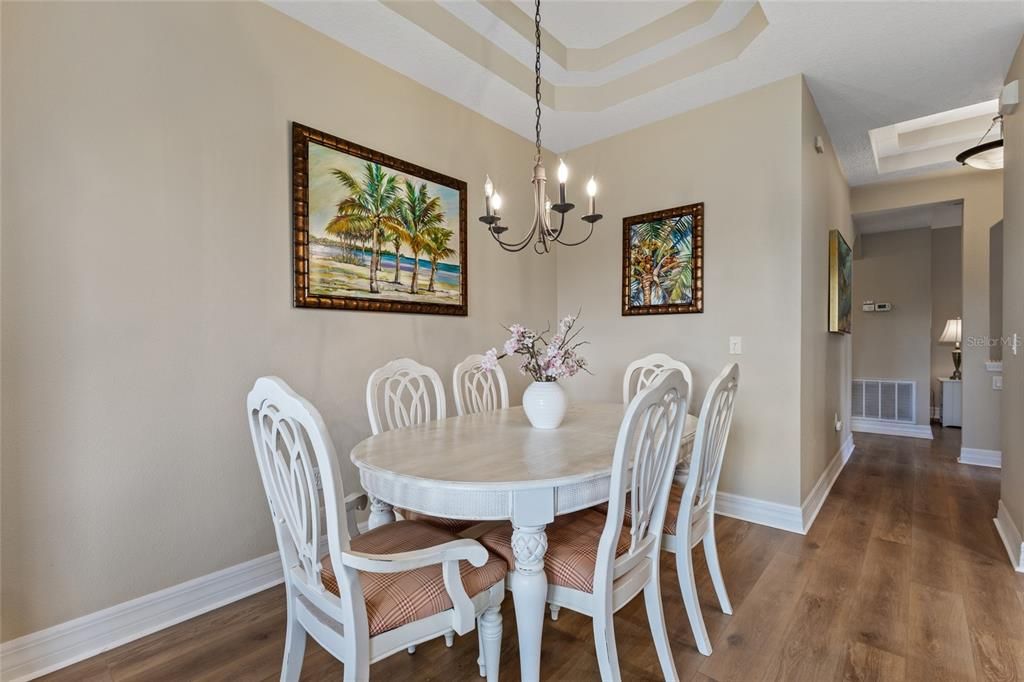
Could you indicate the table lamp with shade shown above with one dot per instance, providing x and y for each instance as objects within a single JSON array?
[{"x": 952, "y": 334}]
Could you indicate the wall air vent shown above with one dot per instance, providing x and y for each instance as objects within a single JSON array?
[{"x": 884, "y": 399}]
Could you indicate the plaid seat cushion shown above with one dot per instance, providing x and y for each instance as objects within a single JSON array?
[
  {"x": 572, "y": 548},
  {"x": 396, "y": 599},
  {"x": 455, "y": 526}
]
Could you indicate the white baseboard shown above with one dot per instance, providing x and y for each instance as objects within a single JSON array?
[
  {"x": 1010, "y": 536},
  {"x": 812, "y": 505},
  {"x": 981, "y": 458},
  {"x": 59, "y": 646},
  {"x": 887, "y": 428},
  {"x": 761, "y": 512}
]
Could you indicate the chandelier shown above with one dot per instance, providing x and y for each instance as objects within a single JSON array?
[
  {"x": 543, "y": 233},
  {"x": 985, "y": 155}
]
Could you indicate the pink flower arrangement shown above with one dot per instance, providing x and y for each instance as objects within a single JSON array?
[{"x": 542, "y": 359}]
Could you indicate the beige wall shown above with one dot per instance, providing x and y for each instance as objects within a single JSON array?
[
  {"x": 1013, "y": 306},
  {"x": 982, "y": 194},
  {"x": 947, "y": 300},
  {"x": 895, "y": 267},
  {"x": 825, "y": 359},
  {"x": 146, "y": 281},
  {"x": 719, "y": 155}
]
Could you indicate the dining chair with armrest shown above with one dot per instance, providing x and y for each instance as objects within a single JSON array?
[{"x": 369, "y": 595}]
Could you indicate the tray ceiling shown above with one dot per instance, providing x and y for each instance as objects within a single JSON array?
[{"x": 614, "y": 65}]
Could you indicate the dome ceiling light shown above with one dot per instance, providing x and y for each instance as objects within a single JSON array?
[{"x": 985, "y": 155}]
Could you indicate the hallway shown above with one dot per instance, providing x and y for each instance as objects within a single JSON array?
[{"x": 901, "y": 577}]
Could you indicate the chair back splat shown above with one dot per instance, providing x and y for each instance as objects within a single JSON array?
[
  {"x": 404, "y": 393},
  {"x": 641, "y": 373},
  {"x": 477, "y": 389},
  {"x": 709, "y": 444},
  {"x": 645, "y": 458}
]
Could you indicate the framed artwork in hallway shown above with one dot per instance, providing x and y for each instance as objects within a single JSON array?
[
  {"x": 373, "y": 232},
  {"x": 663, "y": 261},
  {"x": 840, "y": 283}
]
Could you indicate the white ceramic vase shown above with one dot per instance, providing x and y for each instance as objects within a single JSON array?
[{"x": 545, "y": 403}]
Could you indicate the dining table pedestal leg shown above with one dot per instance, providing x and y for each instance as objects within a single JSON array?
[
  {"x": 529, "y": 593},
  {"x": 381, "y": 513}
]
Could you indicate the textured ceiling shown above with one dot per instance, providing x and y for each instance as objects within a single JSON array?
[{"x": 615, "y": 65}]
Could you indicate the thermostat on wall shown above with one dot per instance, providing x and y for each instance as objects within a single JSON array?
[{"x": 883, "y": 307}]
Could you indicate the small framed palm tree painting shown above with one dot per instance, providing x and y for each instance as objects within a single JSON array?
[
  {"x": 663, "y": 262},
  {"x": 840, "y": 281},
  {"x": 372, "y": 232}
]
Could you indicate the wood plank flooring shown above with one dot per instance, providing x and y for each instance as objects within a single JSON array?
[{"x": 902, "y": 577}]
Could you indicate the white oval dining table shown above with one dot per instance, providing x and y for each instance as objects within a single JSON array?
[{"x": 495, "y": 466}]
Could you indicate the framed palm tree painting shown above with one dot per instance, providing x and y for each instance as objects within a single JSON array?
[
  {"x": 663, "y": 261},
  {"x": 373, "y": 232},
  {"x": 840, "y": 279}
]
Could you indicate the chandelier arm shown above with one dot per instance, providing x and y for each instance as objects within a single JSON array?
[
  {"x": 555, "y": 234},
  {"x": 589, "y": 233},
  {"x": 515, "y": 246}
]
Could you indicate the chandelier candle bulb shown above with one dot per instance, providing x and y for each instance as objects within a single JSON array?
[
  {"x": 592, "y": 193},
  {"x": 563, "y": 176},
  {"x": 488, "y": 192},
  {"x": 496, "y": 204}
]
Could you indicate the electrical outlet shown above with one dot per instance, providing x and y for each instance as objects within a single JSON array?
[
  {"x": 735, "y": 345},
  {"x": 997, "y": 382}
]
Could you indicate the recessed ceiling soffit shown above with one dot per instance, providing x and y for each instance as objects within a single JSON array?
[{"x": 617, "y": 71}]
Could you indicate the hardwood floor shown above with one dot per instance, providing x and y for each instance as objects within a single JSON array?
[{"x": 902, "y": 576}]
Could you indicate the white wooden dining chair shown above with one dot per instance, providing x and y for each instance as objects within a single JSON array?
[
  {"x": 641, "y": 373},
  {"x": 368, "y": 595},
  {"x": 691, "y": 510},
  {"x": 596, "y": 564},
  {"x": 477, "y": 389},
  {"x": 405, "y": 393}
]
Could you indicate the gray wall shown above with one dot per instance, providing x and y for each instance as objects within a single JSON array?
[
  {"x": 1012, "y": 491},
  {"x": 982, "y": 196},
  {"x": 894, "y": 267},
  {"x": 947, "y": 300},
  {"x": 996, "y": 294}
]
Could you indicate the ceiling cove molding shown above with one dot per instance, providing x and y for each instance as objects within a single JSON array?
[
  {"x": 722, "y": 48},
  {"x": 680, "y": 21}
]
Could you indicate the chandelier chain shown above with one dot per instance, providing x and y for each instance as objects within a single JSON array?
[
  {"x": 536, "y": 70},
  {"x": 998, "y": 119},
  {"x": 543, "y": 233}
]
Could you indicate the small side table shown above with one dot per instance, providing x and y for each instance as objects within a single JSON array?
[{"x": 952, "y": 402}]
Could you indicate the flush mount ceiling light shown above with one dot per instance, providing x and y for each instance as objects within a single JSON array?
[
  {"x": 985, "y": 155},
  {"x": 543, "y": 233}
]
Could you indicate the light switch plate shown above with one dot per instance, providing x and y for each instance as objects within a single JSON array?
[
  {"x": 997, "y": 382},
  {"x": 735, "y": 345}
]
